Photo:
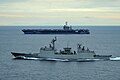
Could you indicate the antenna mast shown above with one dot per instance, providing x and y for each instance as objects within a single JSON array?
[
  {"x": 53, "y": 42},
  {"x": 66, "y": 23},
  {"x": 67, "y": 44}
]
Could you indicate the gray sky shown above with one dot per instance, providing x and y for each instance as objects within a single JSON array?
[{"x": 56, "y": 12}]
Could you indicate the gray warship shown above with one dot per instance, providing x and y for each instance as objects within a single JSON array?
[{"x": 51, "y": 53}]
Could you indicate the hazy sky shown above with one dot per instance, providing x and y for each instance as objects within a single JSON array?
[{"x": 56, "y": 12}]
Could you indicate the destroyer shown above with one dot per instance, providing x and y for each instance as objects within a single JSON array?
[
  {"x": 66, "y": 30},
  {"x": 50, "y": 52}
]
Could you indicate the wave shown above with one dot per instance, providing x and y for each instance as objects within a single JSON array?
[
  {"x": 115, "y": 59},
  {"x": 56, "y": 59},
  {"x": 66, "y": 60}
]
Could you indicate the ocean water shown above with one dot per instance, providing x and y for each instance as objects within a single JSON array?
[{"x": 103, "y": 40}]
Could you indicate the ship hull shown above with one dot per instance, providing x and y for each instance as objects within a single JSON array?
[
  {"x": 40, "y": 31},
  {"x": 70, "y": 57}
]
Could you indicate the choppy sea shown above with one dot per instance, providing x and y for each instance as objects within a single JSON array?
[{"x": 102, "y": 39}]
